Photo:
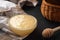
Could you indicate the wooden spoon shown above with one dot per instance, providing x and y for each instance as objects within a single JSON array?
[{"x": 48, "y": 32}]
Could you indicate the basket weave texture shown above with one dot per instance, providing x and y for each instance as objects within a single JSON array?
[{"x": 50, "y": 11}]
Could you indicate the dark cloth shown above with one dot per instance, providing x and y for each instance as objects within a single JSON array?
[{"x": 42, "y": 24}]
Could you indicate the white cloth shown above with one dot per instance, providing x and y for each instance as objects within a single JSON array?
[
  {"x": 6, "y": 5},
  {"x": 2, "y": 0}
]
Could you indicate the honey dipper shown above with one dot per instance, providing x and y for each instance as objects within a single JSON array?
[{"x": 48, "y": 32}]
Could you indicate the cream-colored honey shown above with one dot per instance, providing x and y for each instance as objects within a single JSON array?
[{"x": 23, "y": 24}]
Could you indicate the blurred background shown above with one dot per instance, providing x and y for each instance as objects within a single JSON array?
[{"x": 42, "y": 24}]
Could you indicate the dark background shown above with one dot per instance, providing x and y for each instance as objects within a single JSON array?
[{"x": 42, "y": 24}]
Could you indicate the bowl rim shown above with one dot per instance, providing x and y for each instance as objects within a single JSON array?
[{"x": 53, "y": 5}]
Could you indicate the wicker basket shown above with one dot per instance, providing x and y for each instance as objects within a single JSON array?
[{"x": 51, "y": 10}]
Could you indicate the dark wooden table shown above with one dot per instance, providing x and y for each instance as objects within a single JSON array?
[{"x": 42, "y": 24}]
